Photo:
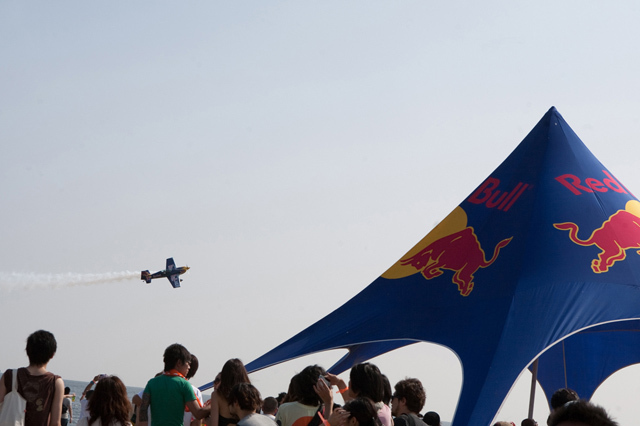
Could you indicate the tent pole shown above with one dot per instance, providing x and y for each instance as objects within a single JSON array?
[{"x": 534, "y": 379}]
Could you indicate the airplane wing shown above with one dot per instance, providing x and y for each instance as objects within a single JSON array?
[
  {"x": 174, "y": 280},
  {"x": 171, "y": 265}
]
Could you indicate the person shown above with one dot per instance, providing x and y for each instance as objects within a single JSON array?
[
  {"x": 244, "y": 402},
  {"x": 189, "y": 420},
  {"x": 67, "y": 411},
  {"x": 303, "y": 387},
  {"x": 407, "y": 401},
  {"x": 42, "y": 389},
  {"x": 95, "y": 380},
  {"x": 580, "y": 413},
  {"x": 292, "y": 394},
  {"x": 356, "y": 412},
  {"x": 136, "y": 401},
  {"x": 503, "y": 423},
  {"x": 270, "y": 407},
  {"x": 528, "y": 422},
  {"x": 84, "y": 405},
  {"x": 366, "y": 381},
  {"x": 432, "y": 418},
  {"x": 562, "y": 396},
  {"x": 168, "y": 393},
  {"x": 233, "y": 372},
  {"x": 109, "y": 405}
]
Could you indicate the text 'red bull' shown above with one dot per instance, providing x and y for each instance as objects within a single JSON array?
[
  {"x": 491, "y": 196},
  {"x": 617, "y": 234},
  {"x": 574, "y": 184},
  {"x": 459, "y": 252}
]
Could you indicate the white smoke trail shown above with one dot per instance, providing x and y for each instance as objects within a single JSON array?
[{"x": 29, "y": 281}]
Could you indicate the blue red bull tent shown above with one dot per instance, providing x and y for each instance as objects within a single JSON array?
[
  {"x": 535, "y": 254},
  {"x": 586, "y": 359}
]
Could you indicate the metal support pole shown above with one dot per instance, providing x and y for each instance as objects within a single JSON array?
[{"x": 534, "y": 380}]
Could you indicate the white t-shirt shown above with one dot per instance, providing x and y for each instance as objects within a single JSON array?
[
  {"x": 188, "y": 417},
  {"x": 66, "y": 403}
]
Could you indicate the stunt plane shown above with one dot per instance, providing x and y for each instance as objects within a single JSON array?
[{"x": 171, "y": 273}]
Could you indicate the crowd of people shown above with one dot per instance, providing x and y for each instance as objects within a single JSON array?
[{"x": 169, "y": 399}]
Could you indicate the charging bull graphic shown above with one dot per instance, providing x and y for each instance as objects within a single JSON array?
[
  {"x": 617, "y": 234},
  {"x": 453, "y": 246}
]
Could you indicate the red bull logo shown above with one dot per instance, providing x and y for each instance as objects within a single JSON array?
[
  {"x": 616, "y": 235},
  {"x": 590, "y": 184},
  {"x": 491, "y": 194},
  {"x": 450, "y": 246}
]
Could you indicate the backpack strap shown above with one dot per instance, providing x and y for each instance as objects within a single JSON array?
[{"x": 14, "y": 383}]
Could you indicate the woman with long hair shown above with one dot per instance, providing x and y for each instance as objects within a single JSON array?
[
  {"x": 109, "y": 404},
  {"x": 233, "y": 372}
]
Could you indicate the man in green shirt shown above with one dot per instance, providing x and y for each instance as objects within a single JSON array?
[{"x": 169, "y": 393}]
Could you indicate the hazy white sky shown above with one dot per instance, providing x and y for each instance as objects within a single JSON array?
[{"x": 289, "y": 152}]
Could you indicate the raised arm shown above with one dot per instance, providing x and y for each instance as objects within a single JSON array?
[
  {"x": 89, "y": 386},
  {"x": 325, "y": 394},
  {"x": 341, "y": 385}
]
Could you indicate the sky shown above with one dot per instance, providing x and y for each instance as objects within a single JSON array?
[{"x": 288, "y": 152}]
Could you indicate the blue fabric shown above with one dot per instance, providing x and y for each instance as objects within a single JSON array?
[
  {"x": 503, "y": 277},
  {"x": 586, "y": 359}
]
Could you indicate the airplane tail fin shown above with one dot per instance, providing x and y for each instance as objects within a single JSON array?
[{"x": 145, "y": 276}]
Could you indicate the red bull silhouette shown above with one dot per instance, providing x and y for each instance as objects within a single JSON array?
[
  {"x": 617, "y": 234},
  {"x": 459, "y": 252}
]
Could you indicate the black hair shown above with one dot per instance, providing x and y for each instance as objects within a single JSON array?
[
  {"x": 581, "y": 411},
  {"x": 366, "y": 381},
  {"x": 193, "y": 367},
  {"x": 233, "y": 372},
  {"x": 387, "y": 391},
  {"x": 173, "y": 354},
  {"x": 41, "y": 347},
  {"x": 364, "y": 411},
  {"x": 431, "y": 418},
  {"x": 246, "y": 395},
  {"x": 305, "y": 382},
  {"x": 562, "y": 396}
]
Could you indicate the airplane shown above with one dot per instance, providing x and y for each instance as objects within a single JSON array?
[{"x": 171, "y": 273}]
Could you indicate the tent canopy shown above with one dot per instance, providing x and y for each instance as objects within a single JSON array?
[
  {"x": 537, "y": 252},
  {"x": 586, "y": 359}
]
